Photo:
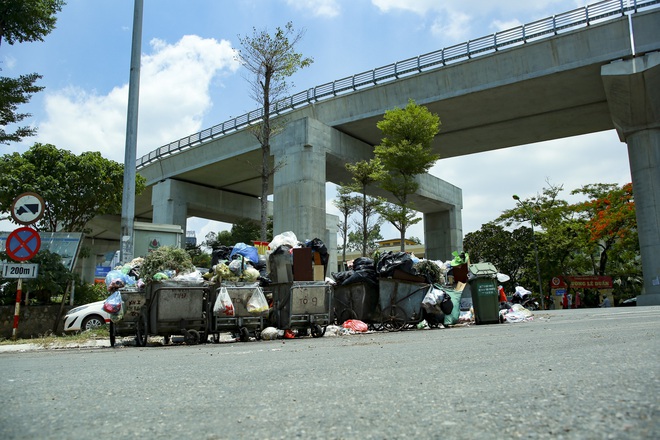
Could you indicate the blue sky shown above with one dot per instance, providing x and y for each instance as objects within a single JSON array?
[{"x": 191, "y": 81}]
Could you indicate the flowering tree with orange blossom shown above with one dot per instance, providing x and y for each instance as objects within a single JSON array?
[{"x": 610, "y": 221}]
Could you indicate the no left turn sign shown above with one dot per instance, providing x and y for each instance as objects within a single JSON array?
[{"x": 27, "y": 208}]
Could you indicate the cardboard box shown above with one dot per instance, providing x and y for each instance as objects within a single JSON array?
[{"x": 319, "y": 272}]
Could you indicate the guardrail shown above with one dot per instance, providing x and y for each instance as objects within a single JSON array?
[{"x": 540, "y": 29}]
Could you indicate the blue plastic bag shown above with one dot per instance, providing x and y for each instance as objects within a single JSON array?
[
  {"x": 116, "y": 279},
  {"x": 249, "y": 252}
]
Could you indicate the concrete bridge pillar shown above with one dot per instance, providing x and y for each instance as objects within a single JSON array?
[
  {"x": 443, "y": 233},
  {"x": 299, "y": 181},
  {"x": 169, "y": 203},
  {"x": 633, "y": 94}
]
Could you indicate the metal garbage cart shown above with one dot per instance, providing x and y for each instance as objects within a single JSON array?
[
  {"x": 174, "y": 307},
  {"x": 400, "y": 302},
  {"x": 243, "y": 323},
  {"x": 302, "y": 305},
  {"x": 133, "y": 299},
  {"x": 485, "y": 296},
  {"x": 356, "y": 301}
]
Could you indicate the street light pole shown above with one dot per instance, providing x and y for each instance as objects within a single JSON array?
[{"x": 536, "y": 249}]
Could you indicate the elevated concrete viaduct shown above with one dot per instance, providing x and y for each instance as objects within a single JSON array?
[{"x": 579, "y": 80}]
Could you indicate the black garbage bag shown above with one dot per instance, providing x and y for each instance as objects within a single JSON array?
[
  {"x": 446, "y": 304},
  {"x": 340, "y": 277},
  {"x": 318, "y": 246},
  {"x": 389, "y": 261},
  {"x": 361, "y": 276},
  {"x": 355, "y": 276},
  {"x": 364, "y": 263},
  {"x": 220, "y": 254}
]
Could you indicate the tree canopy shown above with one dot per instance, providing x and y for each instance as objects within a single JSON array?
[
  {"x": 243, "y": 231},
  {"x": 346, "y": 204},
  {"x": 364, "y": 174},
  {"x": 22, "y": 21},
  {"x": 27, "y": 20},
  {"x": 13, "y": 92},
  {"x": 75, "y": 188},
  {"x": 270, "y": 60},
  {"x": 597, "y": 236},
  {"x": 405, "y": 152}
]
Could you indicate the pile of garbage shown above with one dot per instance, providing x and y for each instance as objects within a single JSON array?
[
  {"x": 163, "y": 263},
  {"x": 392, "y": 264},
  {"x": 240, "y": 262}
]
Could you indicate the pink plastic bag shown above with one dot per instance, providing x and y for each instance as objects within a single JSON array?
[{"x": 355, "y": 325}]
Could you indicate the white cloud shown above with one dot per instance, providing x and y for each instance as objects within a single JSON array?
[
  {"x": 9, "y": 62},
  {"x": 319, "y": 8},
  {"x": 499, "y": 25},
  {"x": 420, "y": 7},
  {"x": 174, "y": 96},
  {"x": 455, "y": 21},
  {"x": 453, "y": 26}
]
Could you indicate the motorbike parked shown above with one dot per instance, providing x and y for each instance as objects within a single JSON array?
[{"x": 524, "y": 297}]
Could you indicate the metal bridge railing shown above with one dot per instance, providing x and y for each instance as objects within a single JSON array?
[{"x": 545, "y": 28}]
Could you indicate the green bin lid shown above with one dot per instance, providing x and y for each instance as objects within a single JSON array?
[{"x": 482, "y": 269}]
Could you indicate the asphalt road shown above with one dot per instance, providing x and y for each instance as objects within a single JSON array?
[{"x": 577, "y": 374}]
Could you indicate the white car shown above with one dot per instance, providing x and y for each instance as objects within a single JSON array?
[{"x": 86, "y": 317}]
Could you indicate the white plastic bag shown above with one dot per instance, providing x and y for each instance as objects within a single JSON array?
[
  {"x": 269, "y": 334},
  {"x": 287, "y": 238},
  {"x": 257, "y": 303},
  {"x": 223, "y": 305}
]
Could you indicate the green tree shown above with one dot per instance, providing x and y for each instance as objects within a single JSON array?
[
  {"x": 610, "y": 219},
  {"x": 22, "y": 21},
  {"x": 244, "y": 231},
  {"x": 597, "y": 236},
  {"x": 27, "y": 20},
  {"x": 346, "y": 204},
  {"x": 198, "y": 257},
  {"x": 405, "y": 152},
  {"x": 51, "y": 281},
  {"x": 363, "y": 175},
  {"x": 14, "y": 92},
  {"x": 215, "y": 240},
  {"x": 270, "y": 59},
  {"x": 508, "y": 251},
  {"x": 356, "y": 241},
  {"x": 75, "y": 188}
]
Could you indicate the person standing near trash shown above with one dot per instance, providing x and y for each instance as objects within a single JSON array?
[{"x": 503, "y": 298}]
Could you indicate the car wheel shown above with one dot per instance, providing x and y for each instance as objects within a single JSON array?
[{"x": 92, "y": 321}]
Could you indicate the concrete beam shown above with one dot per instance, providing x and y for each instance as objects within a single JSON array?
[{"x": 174, "y": 201}]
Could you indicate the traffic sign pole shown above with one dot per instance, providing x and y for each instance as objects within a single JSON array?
[{"x": 17, "y": 309}]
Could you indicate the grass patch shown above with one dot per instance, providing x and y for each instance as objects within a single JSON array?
[{"x": 52, "y": 339}]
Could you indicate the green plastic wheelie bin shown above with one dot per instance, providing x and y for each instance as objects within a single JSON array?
[{"x": 482, "y": 280}]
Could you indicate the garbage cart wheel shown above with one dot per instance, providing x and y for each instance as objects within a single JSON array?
[
  {"x": 317, "y": 330},
  {"x": 191, "y": 337},
  {"x": 393, "y": 319},
  {"x": 141, "y": 335},
  {"x": 113, "y": 335},
  {"x": 244, "y": 334}
]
